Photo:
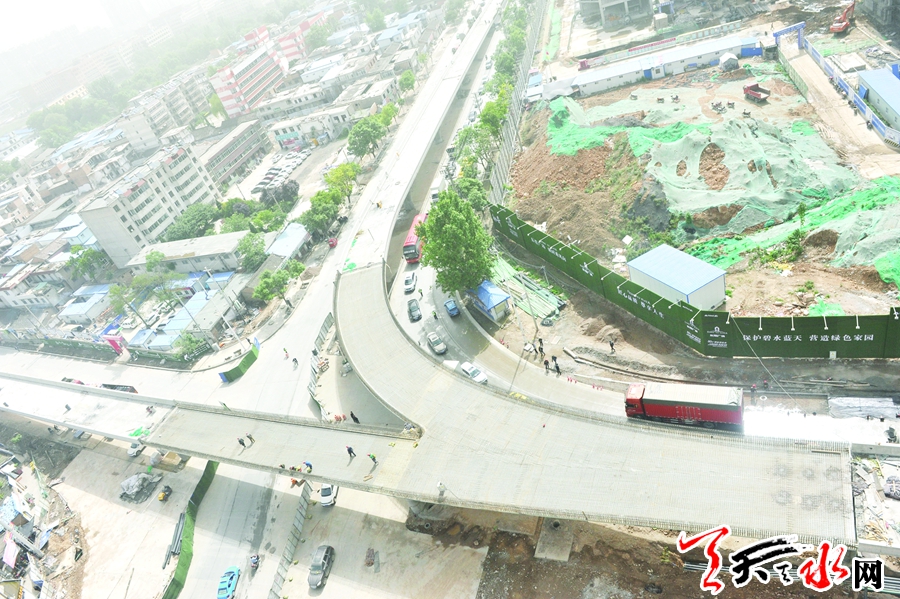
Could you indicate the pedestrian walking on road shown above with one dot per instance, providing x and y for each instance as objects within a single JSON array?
[
  {"x": 421, "y": 295},
  {"x": 308, "y": 466},
  {"x": 612, "y": 346},
  {"x": 372, "y": 457},
  {"x": 354, "y": 418},
  {"x": 541, "y": 350},
  {"x": 241, "y": 441},
  {"x": 547, "y": 365},
  {"x": 541, "y": 344},
  {"x": 286, "y": 356},
  {"x": 558, "y": 371},
  {"x": 351, "y": 452},
  {"x": 252, "y": 440},
  {"x": 553, "y": 358}
]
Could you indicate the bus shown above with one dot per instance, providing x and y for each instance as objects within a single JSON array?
[{"x": 412, "y": 247}]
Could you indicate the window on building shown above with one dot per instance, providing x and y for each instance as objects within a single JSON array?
[
  {"x": 130, "y": 229},
  {"x": 123, "y": 218},
  {"x": 116, "y": 208},
  {"x": 137, "y": 238}
]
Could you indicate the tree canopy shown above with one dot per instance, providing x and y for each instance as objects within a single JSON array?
[
  {"x": 472, "y": 191},
  {"x": 316, "y": 38},
  {"x": 324, "y": 208},
  {"x": 388, "y": 113},
  {"x": 365, "y": 135},
  {"x": 252, "y": 249},
  {"x": 407, "y": 81},
  {"x": 195, "y": 221},
  {"x": 90, "y": 263},
  {"x": 276, "y": 283},
  {"x": 456, "y": 244},
  {"x": 341, "y": 178}
]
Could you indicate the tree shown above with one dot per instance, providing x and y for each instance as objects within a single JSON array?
[
  {"x": 252, "y": 250},
  {"x": 364, "y": 137},
  {"x": 216, "y": 106},
  {"x": 407, "y": 81},
  {"x": 494, "y": 113},
  {"x": 388, "y": 114},
  {"x": 120, "y": 298},
  {"x": 475, "y": 146},
  {"x": 375, "y": 20},
  {"x": 187, "y": 344},
  {"x": 473, "y": 192},
  {"x": 268, "y": 220},
  {"x": 235, "y": 223},
  {"x": 90, "y": 264},
  {"x": 238, "y": 206},
  {"x": 272, "y": 284},
  {"x": 8, "y": 168},
  {"x": 316, "y": 38},
  {"x": 801, "y": 212},
  {"x": 324, "y": 208},
  {"x": 193, "y": 222},
  {"x": 341, "y": 178},
  {"x": 457, "y": 245},
  {"x": 453, "y": 11}
]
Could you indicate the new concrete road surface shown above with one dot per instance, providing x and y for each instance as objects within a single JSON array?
[{"x": 493, "y": 452}]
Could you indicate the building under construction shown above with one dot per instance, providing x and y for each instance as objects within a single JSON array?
[{"x": 883, "y": 14}]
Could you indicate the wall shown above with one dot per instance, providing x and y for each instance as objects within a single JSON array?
[{"x": 710, "y": 332}]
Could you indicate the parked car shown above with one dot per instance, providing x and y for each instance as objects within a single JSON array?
[
  {"x": 409, "y": 283},
  {"x": 277, "y": 158},
  {"x": 328, "y": 494},
  {"x": 228, "y": 583},
  {"x": 473, "y": 115},
  {"x": 320, "y": 566},
  {"x": 452, "y": 309},
  {"x": 135, "y": 450},
  {"x": 489, "y": 64},
  {"x": 436, "y": 343},
  {"x": 473, "y": 373},
  {"x": 257, "y": 189},
  {"x": 412, "y": 308}
]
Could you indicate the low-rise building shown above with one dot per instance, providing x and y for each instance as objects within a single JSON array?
[
  {"x": 360, "y": 97},
  {"x": 342, "y": 75},
  {"x": 245, "y": 143},
  {"x": 292, "y": 103},
  {"x": 881, "y": 89},
  {"x": 136, "y": 210},
  {"x": 313, "y": 129},
  {"x": 215, "y": 252}
]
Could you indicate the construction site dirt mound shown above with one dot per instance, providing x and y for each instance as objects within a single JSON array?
[
  {"x": 712, "y": 167},
  {"x": 716, "y": 216},
  {"x": 574, "y": 216},
  {"x": 820, "y": 245},
  {"x": 534, "y": 127},
  {"x": 681, "y": 169},
  {"x": 537, "y": 168}
]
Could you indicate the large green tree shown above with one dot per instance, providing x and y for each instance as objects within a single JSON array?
[
  {"x": 195, "y": 221},
  {"x": 90, "y": 264},
  {"x": 388, "y": 113},
  {"x": 407, "y": 81},
  {"x": 252, "y": 250},
  {"x": 365, "y": 135},
  {"x": 324, "y": 208},
  {"x": 276, "y": 283},
  {"x": 456, "y": 244},
  {"x": 494, "y": 113},
  {"x": 316, "y": 38},
  {"x": 472, "y": 191},
  {"x": 341, "y": 178}
]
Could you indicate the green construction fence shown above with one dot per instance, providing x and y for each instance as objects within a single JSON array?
[{"x": 714, "y": 333}]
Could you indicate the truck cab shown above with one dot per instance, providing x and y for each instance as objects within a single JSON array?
[{"x": 633, "y": 397}]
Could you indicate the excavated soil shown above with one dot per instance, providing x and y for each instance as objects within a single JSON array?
[
  {"x": 713, "y": 171},
  {"x": 820, "y": 245},
  {"x": 681, "y": 168},
  {"x": 716, "y": 216},
  {"x": 536, "y": 166}
]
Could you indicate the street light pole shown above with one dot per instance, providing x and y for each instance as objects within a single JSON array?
[{"x": 228, "y": 324}]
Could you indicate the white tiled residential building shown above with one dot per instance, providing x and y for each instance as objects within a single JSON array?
[{"x": 136, "y": 210}]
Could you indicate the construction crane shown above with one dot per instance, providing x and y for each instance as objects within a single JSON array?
[{"x": 842, "y": 22}]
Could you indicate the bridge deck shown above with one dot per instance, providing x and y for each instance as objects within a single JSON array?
[{"x": 493, "y": 452}]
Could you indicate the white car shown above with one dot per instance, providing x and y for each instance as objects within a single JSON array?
[
  {"x": 437, "y": 344},
  {"x": 409, "y": 283},
  {"x": 473, "y": 373},
  {"x": 328, "y": 494},
  {"x": 135, "y": 450}
]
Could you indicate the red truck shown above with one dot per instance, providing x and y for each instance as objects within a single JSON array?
[
  {"x": 756, "y": 93},
  {"x": 699, "y": 405}
]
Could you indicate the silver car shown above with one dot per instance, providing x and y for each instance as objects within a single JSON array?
[
  {"x": 436, "y": 344},
  {"x": 409, "y": 283},
  {"x": 473, "y": 373}
]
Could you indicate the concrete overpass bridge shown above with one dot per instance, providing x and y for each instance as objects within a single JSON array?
[{"x": 541, "y": 455}]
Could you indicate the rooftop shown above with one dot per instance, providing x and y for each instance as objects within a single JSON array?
[
  {"x": 676, "y": 269},
  {"x": 884, "y": 83},
  {"x": 190, "y": 248}
]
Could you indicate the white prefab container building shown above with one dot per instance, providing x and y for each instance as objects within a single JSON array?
[{"x": 676, "y": 276}]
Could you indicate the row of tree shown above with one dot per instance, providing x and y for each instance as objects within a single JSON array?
[
  {"x": 326, "y": 203},
  {"x": 236, "y": 214}
]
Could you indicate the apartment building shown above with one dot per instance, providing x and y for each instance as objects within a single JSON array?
[
  {"x": 136, "y": 210},
  {"x": 244, "y": 84},
  {"x": 883, "y": 14},
  {"x": 230, "y": 154},
  {"x": 146, "y": 119}
]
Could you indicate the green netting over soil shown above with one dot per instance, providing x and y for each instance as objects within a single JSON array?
[
  {"x": 888, "y": 267},
  {"x": 803, "y": 128},
  {"x": 820, "y": 308},
  {"x": 835, "y": 45},
  {"x": 570, "y": 130},
  {"x": 552, "y": 47}
]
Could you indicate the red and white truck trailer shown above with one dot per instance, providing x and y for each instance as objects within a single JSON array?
[{"x": 698, "y": 405}]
